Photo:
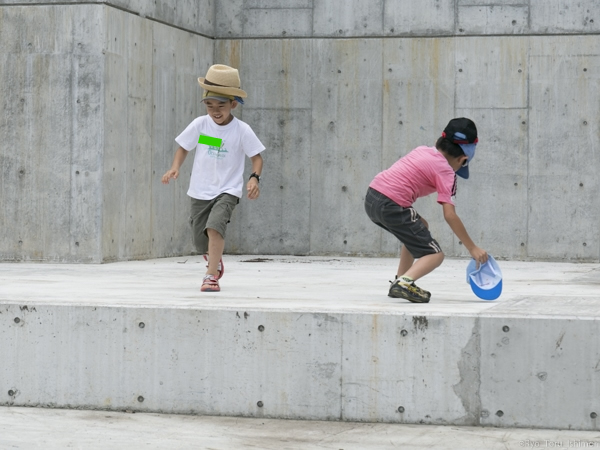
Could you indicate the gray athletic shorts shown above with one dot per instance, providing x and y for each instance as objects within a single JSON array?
[
  {"x": 404, "y": 223},
  {"x": 214, "y": 214}
]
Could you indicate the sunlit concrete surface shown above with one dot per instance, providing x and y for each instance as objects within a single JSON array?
[
  {"x": 49, "y": 429},
  {"x": 324, "y": 284}
]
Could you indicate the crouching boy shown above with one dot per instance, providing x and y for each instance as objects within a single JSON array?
[{"x": 421, "y": 172}]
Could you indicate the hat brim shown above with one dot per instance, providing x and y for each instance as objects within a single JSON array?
[{"x": 222, "y": 89}]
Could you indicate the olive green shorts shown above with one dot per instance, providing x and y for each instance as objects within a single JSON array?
[{"x": 214, "y": 214}]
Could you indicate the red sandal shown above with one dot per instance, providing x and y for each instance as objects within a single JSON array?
[
  {"x": 210, "y": 283},
  {"x": 220, "y": 269}
]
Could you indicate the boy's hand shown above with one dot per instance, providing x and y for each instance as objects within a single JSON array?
[
  {"x": 171, "y": 173},
  {"x": 252, "y": 188},
  {"x": 479, "y": 255}
]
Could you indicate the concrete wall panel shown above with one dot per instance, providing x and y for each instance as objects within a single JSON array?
[
  {"x": 179, "y": 59},
  {"x": 290, "y": 4},
  {"x": 355, "y": 18},
  {"x": 45, "y": 188},
  {"x": 48, "y": 109},
  {"x": 86, "y": 156},
  {"x": 193, "y": 15},
  {"x": 229, "y": 18},
  {"x": 277, "y": 73},
  {"x": 410, "y": 369},
  {"x": 155, "y": 73},
  {"x": 137, "y": 151},
  {"x": 346, "y": 100},
  {"x": 564, "y": 208},
  {"x": 492, "y": 203},
  {"x": 564, "y": 16},
  {"x": 279, "y": 221},
  {"x": 273, "y": 22},
  {"x": 493, "y": 19},
  {"x": 547, "y": 349},
  {"x": 502, "y": 370},
  {"x": 278, "y": 78},
  {"x": 115, "y": 174},
  {"x": 106, "y": 358},
  {"x": 424, "y": 18},
  {"x": 491, "y": 73}
]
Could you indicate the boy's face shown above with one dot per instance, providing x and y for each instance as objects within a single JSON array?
[{"x": 219, "y": 111}]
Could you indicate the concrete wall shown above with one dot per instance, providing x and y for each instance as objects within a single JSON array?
[
  {"x": 92, "y": 97},
  {"x": 336, "y": 94},
  {"x": 461, "y": 370}
]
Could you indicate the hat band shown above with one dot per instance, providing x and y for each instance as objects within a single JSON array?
[
  {"x": 210, "y": 83},
  {"x": 216, "y": 94}
]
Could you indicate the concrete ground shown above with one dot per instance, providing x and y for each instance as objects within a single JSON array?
[
  {"x": 48, "y": 429},
  {"x": 285, "y": 283},
  {"x": 321, "y": 284}
]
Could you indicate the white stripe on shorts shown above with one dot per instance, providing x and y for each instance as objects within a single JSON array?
[{"x": 436, "y": 247}]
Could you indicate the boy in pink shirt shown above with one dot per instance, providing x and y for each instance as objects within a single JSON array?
[{"x": 421, "y": 172}]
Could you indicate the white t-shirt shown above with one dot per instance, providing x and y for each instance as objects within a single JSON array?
[{"x": 218, "y": 170}]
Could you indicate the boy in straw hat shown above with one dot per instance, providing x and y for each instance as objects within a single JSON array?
[
  {"x": 419, "y": 173},
  {"x": 221, "y": 142}
]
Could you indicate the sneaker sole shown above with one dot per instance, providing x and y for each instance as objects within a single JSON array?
[{"x": 401, "y": 293}]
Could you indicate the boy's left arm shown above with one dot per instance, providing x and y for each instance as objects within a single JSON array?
[{"x": 252, "y": 186}]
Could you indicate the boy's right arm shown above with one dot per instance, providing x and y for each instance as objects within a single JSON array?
[
  {"x": 178, "y": 160},
  {"x": 478, "y": 254}
]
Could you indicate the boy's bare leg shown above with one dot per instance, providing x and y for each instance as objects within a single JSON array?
[
  {"x": 216, "y": 246},
  {"x": 406, "y": 261},
  {"x": 424, "y": 265}
]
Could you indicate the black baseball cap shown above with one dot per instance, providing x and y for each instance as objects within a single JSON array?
[{"x": 462, "y": 131}]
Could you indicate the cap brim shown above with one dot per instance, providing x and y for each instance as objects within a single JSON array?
[
  {"x": 469, "y": 150},
  {"x": 463, "y": 172},
  {"x": 487, "y": 294}
]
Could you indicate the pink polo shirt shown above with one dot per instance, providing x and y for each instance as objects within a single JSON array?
[{"x": 419, "y": 173}]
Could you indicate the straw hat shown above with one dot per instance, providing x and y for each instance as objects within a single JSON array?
[{"x": 222, "y": 79}]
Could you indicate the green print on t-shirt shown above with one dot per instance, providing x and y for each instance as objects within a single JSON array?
[
  {"x": 217, "y": 152},
  {"x": 215, "y": 146}
]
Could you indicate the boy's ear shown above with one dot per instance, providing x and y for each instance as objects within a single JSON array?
[{"x": 234, "y": 103}]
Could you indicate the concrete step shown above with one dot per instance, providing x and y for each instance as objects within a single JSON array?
[{"x": 312, "y": 338}]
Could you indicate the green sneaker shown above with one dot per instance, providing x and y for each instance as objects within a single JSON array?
[{"x": 409, "y": 291}]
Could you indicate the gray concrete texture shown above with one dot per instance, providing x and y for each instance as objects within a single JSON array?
[
  {"x": 335, "y": 93},
  {"x": 313, "y": 338},
  {"x": 92, "y": 96},
  {"x": 57, "y": 429},
  {"x": 359, "y": 104}
]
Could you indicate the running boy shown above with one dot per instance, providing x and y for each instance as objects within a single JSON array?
[
  {"x": 221, "y": 141},
  {"x": 421, "y": 172}
]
